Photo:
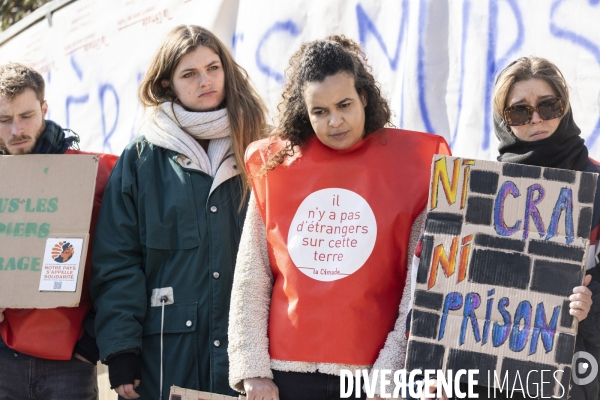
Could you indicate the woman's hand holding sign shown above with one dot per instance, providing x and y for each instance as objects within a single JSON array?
[
  {"x": 581, "y": 300},
  {"x": 128, "y": 391},
  {"x": 261, "y": 389}
]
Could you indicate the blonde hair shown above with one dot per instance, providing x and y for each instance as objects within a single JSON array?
[
  {"x": 245, "y": 109},
  {"x": 523, "y": 69}
]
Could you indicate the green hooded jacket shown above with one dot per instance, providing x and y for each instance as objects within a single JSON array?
[{"x": 165, "y": 224}]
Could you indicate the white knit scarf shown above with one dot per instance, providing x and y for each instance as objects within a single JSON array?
[{"x": 178, "y": 131}]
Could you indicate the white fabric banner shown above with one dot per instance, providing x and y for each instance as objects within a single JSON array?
[{"x": 436, "y": 60}]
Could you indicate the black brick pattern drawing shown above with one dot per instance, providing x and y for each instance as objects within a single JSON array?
[
  {"x": 560, "y": 175},
  {"x": 587, "y": 188},
  {"x": 443, "y": 223},
  {"x": 558, "y": 278},
  {"x": 584, "y": 225},
  {"x": 565, "y": 345},
  {"x": 521, "y": 171},
  {"x": 425, "y": 324},
  {"x": 464, "y": 359},
  {"x": 484, "y": 182},
  {"x": 479, "y": 210},
  {"x": 566, "y": 319},
  {"x": 424, "y": 355},
  {"x": 555, "y": 250},
  {"x": 496, "y": 242},
  {"x": 500, "y": 268},
  {"x": 425, "y": 260},
  {"x": 430, "y": 300}
]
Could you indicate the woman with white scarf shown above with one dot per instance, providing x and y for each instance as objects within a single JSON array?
[{"x": 171, "y": 220}]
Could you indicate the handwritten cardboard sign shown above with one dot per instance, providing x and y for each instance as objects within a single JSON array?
[
  {"x": 503, "y": 247},
  {"x": 45, "y": 213},
  {"x": 178, "y": 393}
]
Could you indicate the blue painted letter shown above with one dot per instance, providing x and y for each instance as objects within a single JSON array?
[
  {"x": 472, "y": 302},
  {"x": 507, "y": 188},
  {"x": 518, "y": 338},
  {"x": 500, "y": 332},
  {"x": 542, "y": 327},
  {"x": 531, "y": 210},
  {"x": 564, "y": 202},
  {"x": 453, "y": 301}
]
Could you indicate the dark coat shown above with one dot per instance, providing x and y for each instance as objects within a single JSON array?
[
  {"x": 166, "y": 224},
  {"x": 588, "y": 340},
  {"x": 588, "y": 336}
]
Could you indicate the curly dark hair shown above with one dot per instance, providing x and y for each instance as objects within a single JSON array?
[{"x": 314, "y": 62}]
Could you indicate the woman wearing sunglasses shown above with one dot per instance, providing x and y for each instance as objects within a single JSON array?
[
  {"x": 534, "y": 122},
  {"x": 533, "y": 119}
]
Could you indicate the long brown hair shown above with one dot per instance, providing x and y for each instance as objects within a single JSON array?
[
  {"x": 314, "y": 62},
  {"x": 245, "y": 109}
]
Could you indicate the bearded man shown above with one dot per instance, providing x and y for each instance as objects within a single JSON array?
[{"x": 45, "y": 353}]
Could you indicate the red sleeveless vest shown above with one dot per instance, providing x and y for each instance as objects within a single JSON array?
[{"x": 338, "y": 224}]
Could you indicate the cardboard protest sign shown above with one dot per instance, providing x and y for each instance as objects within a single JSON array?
[
  {"x": 503, "y": 247},
  {"x": 45, "y": 212},
  {"x": 178, "y": 393}
]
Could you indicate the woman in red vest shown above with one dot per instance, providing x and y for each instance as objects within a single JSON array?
[{"x": 322, "y": 282}]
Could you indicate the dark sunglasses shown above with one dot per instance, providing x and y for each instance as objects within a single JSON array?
[{"x": 522, "y": 114}]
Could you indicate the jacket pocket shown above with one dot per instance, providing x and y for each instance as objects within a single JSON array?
[
  {"x": 179, "y": 318},
  {"x": 179, "y": 348}
]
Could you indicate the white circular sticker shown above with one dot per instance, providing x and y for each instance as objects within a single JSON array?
[{"x": 332, "y": 234}]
